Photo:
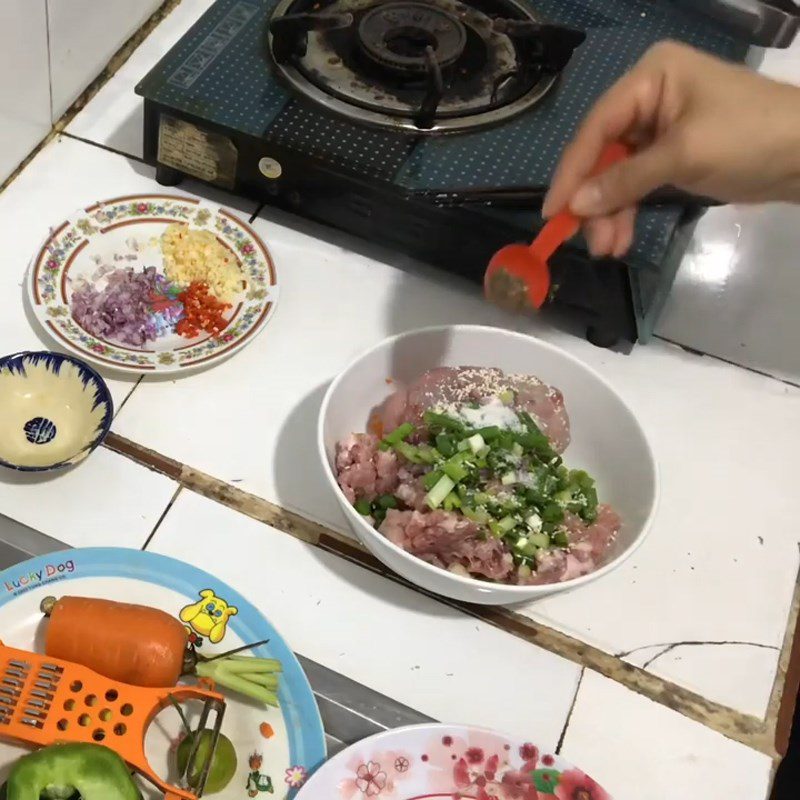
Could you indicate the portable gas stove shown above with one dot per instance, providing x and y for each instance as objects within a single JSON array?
[{"x": 390, "y": 118}]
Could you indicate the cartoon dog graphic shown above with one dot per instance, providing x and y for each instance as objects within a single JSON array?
[{"x": 208, "y": 617}]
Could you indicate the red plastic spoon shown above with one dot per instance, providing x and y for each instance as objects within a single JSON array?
[{"x": 518, "y": 276}]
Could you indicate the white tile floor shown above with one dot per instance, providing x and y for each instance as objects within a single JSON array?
[
  {"x": 107, "y": 500},
  {"x": 639, "y": 750},
  {"x": 415, "y": 650}
]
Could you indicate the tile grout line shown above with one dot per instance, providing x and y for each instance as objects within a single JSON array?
[
  {"x": 162, "y": 517},
  {"x": 751, "y": 731},
  {"x": 694, "y": 351},
  {"x": 572, "y": 705},
  {"x": 49, "y": 55},
  {"x": 102, "y": 146}
]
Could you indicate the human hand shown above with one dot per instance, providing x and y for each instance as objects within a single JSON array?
[{"x": 695, "y": 122}]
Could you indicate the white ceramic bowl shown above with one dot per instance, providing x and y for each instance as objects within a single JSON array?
[{"x": 607, "y": 440}]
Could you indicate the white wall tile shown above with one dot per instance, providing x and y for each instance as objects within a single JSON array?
[
  {"x": 24, "y": 81},
  {"x": 84, "y": 34},
  {"x": 114, "y": 116}
]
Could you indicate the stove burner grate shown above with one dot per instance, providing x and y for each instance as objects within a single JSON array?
[{"x": 419, "y": 65}]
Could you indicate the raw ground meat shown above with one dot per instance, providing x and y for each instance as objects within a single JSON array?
[
  {"x": 449, "y": 541},
  {"x": 364, "y": 471},
  {"x": 445, "y": 385}
]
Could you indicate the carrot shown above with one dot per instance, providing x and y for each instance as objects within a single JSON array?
[
  {"x": 128, "y": 643},
  {"x": 267, "y": 731},
  {"x": 143, "y": 646}
]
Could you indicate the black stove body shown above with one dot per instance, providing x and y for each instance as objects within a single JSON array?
[{"x": 354, "y": 112}]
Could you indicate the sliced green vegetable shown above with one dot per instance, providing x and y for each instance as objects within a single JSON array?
[
  {"x": 228, "y": 672},
  {"x": 451, "y": 502},
  {"x": 409, "y": 452},
  {"x": 539, "y": 540},
  {"x": 430, "y": 479},
  {"x": 363, "y": 507},
  {"x": 446, "y": 445},
  {"x": 398, "y": 435},
  {"x": 552, "y": 512},
  {"x": 489, "y": 434},
  {"x": 387, "y": 501},
  {"x": 503, "y": 526},
  {"x": 437, "y": 494},
  {"x": 561, "y": 539},
  {"x": 434, "y": 420},
  {"x": 94, "y": 771},
  {"x": 476, "y": 443}
]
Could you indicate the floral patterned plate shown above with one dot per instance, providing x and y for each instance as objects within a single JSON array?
[
  {"x": 276, "y": 748},
  {"x": 125, "y": 232},
  {"x": 448, "y": 762}
]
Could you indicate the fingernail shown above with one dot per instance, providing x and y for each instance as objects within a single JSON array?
[{"x": 587, "y": 200}]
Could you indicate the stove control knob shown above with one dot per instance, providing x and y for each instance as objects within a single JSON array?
[{"x": 270, "y": 168}]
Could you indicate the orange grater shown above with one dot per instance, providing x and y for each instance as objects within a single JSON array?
[{"x": 44, "y": 701}]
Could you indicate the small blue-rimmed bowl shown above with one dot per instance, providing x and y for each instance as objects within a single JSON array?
[{"x": 54, "y": 410}]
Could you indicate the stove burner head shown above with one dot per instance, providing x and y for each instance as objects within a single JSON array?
[
  {"x": 419, "y": 65},
  {"x": 405, "y": 36}
]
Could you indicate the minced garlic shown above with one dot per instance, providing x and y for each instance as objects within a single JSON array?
[{"x": 196, "y": 255}]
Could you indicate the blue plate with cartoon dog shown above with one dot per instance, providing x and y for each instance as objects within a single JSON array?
[{"x": 276, "y": 748}]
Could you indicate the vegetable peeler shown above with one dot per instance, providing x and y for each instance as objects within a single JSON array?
[{"x": 44, "y": 701}]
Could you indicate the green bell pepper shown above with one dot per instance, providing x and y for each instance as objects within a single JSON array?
[{"x": 57, "y": 772}]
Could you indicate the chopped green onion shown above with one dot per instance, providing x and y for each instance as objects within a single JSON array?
[
  {"x": 409, "y": 452},
  {"x": 509, "y": 478},
  {"x": 489, "y": 433},
  {"x": 456, "y": 471},
  {"x": 437, "y": 494},
  {"x": 552, "y": 512},
  {"x": 476, "y": 443},
  {"x": 387, "y": 501},
  {"x": 506, "y": 397},
  {"x": 501, "y": 527},
  {"x": 560, "y": 539},
  {"x": 432, "y": 478},
  {"x": 363, "y": 507},
  {"x": 446, "y": 445},
  {"x": 452, "y": 501},
  {"x": 534, "y": 522},
  {"x": 541, "y": 540},
  {"x": 398, "y": 434},
  {"x": 517, "y": 449},
  {"x": 434, "y": 420},
  {"x": 476, "y": 515},
  {"x": 430, "y": 455}
]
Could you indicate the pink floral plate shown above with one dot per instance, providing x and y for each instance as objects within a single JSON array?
[
  {"x": 448, "y": 762},
  {"x": 125, "y": 232}
]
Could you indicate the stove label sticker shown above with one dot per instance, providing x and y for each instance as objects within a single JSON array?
[
  {"x": 224, "y": 32},
  {"x": 208, "y": 156}
]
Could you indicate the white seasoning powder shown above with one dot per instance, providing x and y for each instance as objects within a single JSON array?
[{"x": 493, "y": 414}]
